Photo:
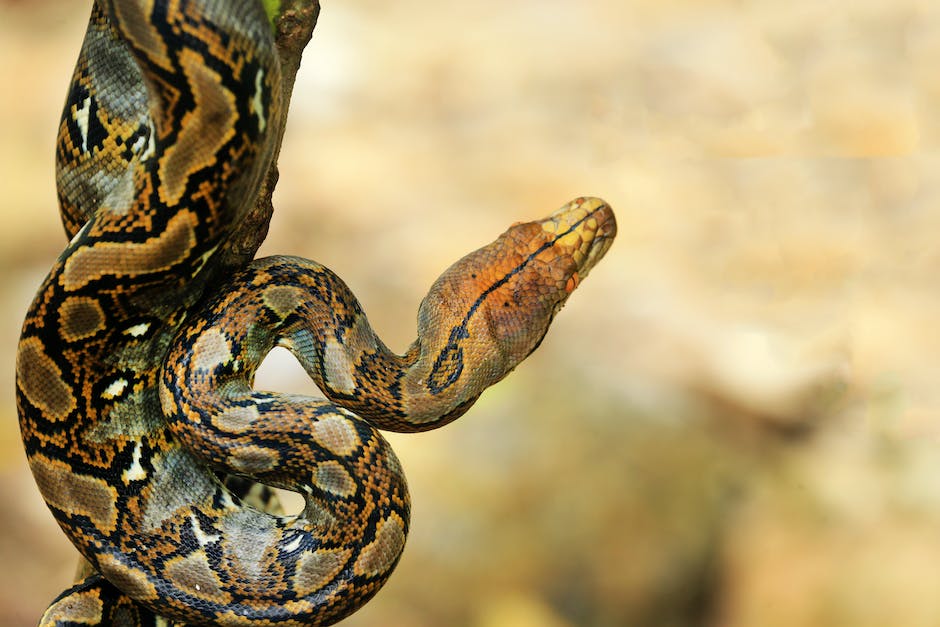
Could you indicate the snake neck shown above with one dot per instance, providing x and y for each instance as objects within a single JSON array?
[
  {"x": 393, "y": 392},
  {"x": 300, "y": 305}
]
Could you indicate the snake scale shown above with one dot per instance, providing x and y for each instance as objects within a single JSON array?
[{"x": 135, "y": 367}]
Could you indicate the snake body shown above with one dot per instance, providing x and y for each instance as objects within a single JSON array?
[{"x": 136, "y": 361}]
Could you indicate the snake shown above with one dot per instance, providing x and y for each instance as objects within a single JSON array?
[{"x": 136, "y": 362}]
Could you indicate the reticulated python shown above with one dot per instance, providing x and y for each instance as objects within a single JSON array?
[{"x": 134, "y": 384}]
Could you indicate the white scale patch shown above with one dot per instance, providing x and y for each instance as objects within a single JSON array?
[
  {"x": 227, "y": 501},
  {"x": 136, "y": 472},
  {"x": 138, "y": 329},
  {"x": 151, "y": 148},
  {"x": 114, "y": 390},
  {"x": 293, "y": 545},
  {"x": 206, "y": 256},
  {"x": 202, "y": 537},
  {"x": 81, "y": 231},
  {"x": 81, "y": 118},
  {"x": 257, "y": 106}
]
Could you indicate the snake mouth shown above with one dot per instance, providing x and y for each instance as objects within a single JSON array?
[{"x": 603, "y": 238}]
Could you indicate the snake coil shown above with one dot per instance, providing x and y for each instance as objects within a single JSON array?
[{"x": 136, "y": 361}]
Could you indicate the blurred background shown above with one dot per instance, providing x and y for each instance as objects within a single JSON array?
[{"x": 733, "y": 422}]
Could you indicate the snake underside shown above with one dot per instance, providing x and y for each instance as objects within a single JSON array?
[{"x": 137, "y": 357}]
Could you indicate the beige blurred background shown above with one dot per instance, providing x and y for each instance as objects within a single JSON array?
[{"x": 733, "y": 422}]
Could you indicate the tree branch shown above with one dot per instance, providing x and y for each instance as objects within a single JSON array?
[{"x": 294, "y": 24}]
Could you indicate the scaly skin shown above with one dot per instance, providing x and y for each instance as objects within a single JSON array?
[{"x": 134, "y": 401}]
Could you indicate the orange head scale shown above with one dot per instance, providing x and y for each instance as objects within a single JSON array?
[{"x": 499, "y": 300}]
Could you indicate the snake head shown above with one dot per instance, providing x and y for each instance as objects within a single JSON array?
[{"x": 492, "y": 308}]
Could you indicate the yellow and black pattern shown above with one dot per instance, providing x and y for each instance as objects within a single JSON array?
[{"x": 134, "y": 385}]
